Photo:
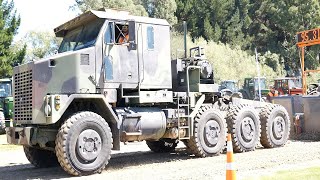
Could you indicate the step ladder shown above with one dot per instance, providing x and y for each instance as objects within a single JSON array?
[{"x": 186, "y": 124}]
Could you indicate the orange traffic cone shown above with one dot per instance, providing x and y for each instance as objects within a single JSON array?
[{"x": 231, "y": 172}]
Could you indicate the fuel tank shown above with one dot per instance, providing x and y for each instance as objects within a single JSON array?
[{"x": 141, "y": 123}]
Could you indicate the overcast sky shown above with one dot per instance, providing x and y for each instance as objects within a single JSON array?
[{"x": 42, "y": 14}]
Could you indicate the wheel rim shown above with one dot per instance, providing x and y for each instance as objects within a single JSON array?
[
  {"x": 247, "y": 129},
  {"x": 89, "y": 144},
  {"x": 212, "y": 133},
  {"x": 278, "y": 127}
]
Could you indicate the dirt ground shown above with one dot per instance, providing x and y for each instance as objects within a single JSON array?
[{"x": 136, "y": 161}]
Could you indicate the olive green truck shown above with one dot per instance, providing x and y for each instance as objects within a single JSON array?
[
  {"x": 77, "y": 106},
  {"x": 6, "y": 104}
]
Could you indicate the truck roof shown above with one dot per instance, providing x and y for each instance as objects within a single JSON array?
[{"x": 107, "y": 14}]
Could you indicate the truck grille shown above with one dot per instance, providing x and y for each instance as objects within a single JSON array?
[{"x": 23, "y": 96}]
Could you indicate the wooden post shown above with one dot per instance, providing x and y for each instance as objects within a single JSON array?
[{"x": 303, "y": 73}]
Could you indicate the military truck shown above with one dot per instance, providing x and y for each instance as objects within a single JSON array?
[
  {"x": 6, "y": 103},
  {"x": 250, "y": 89},
  {"x": 80, "y": 104}
]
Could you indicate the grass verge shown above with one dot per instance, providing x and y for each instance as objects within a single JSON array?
[
  {"x": 9, "y": 147},
  {"x": 4, "y": 146},
  {"x": 306, "y": 174}
]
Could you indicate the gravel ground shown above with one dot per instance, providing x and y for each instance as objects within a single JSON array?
[{"x": 135, "y": 161}]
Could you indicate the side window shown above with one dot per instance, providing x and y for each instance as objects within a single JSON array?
[
  {"x": 109, "y": 34},
  {"x": 150, "y": 37}
]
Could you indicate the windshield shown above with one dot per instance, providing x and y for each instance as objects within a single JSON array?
[
  {"x": 294, "y": 83},
  {"x": 81, "y": 37},
  {"x": 230, "y": 85},
  {"x": 262, "y": 83},
  {"x": 5, "y": 89}
]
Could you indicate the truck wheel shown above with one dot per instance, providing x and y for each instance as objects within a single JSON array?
[
  {"x": 313, "y": 92},
  {"x": 244, "y": 126},
  {"x": 163, "y": 145},
  {"x": 209, "y": 134},
  {"x": 275, "y": 125},
  {"x": 40, "y": 158},
  {"x": 83, "y": 144}
]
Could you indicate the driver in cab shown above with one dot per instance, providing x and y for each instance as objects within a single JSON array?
[{"x": 124, "y": 38}]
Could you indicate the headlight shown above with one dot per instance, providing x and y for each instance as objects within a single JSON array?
[{"x": 47, "y": 106}]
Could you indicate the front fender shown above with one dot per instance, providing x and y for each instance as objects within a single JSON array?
[{"x": 59, "y": 104}]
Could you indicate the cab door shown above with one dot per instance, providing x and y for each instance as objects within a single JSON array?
[{"x": 120, "y": 59}]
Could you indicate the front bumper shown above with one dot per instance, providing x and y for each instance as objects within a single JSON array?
[{"x": 19, "y": 135}]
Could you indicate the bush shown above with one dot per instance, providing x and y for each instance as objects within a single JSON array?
[{"x": 229, "y": 63}]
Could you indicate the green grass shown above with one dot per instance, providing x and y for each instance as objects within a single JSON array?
[
  {"x": 4, "y": 146},
  {"x": 3, "y": 139},
  {"x": 305, "y": 174},
  {"x": 8, "y": 147}
]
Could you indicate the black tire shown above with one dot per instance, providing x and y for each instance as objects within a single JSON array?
[
  {"x": 275, "y": 126},
  {"x": 313, "y": 92},
  {"x": 40, "y": 158},
  {"x": 163, "y": 145},
  {"x": 221, "y": 105},
  {"x": 83, "y": 144},
  {"x": 185, "y": 142},
  {"x": 244, "y": 127},
  {"x": 209, "y": 134}
]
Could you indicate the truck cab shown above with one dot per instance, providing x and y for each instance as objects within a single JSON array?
[
  {"x": 250, "y": 88},
  {"x": 288, "y": 85}
]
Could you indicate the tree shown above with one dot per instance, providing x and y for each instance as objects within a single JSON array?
[
  {"x": 234, "y": 35},
  {"x": 216, "y": 20},
  {"x": 275, "y": 24},
  {"x": 268, "y": 25},
  {"x": 128, "y": 5},
  {"x": 163, "y": 9},
  {"x": 40, "y": 44},
  {"x": 9, "y": 24}
]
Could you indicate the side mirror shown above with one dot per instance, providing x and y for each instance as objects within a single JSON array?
[{"x": 132, "y": 35}]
